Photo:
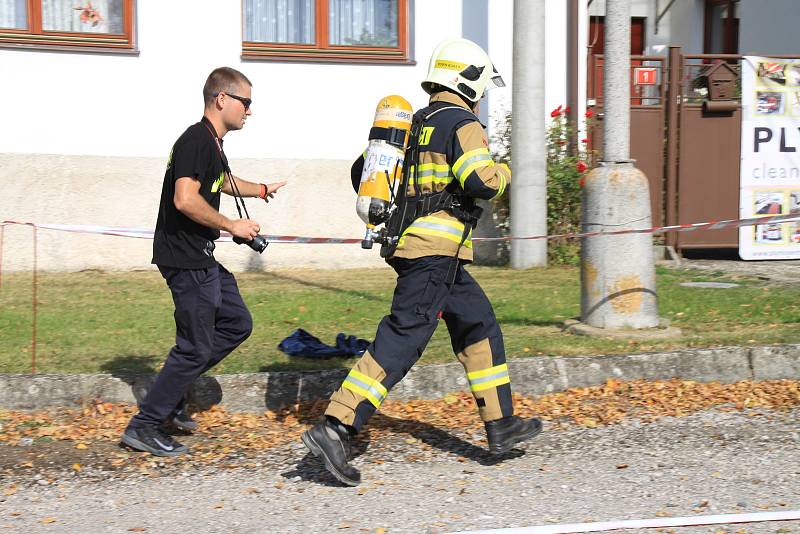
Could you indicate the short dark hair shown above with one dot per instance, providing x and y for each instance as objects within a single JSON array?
[{"x": 222, "y": 80}]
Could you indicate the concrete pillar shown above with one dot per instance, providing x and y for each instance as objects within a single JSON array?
[
  {"x": 529, "y": 180},
  {"x": 618, "y": 286},
  {"x": 617, "y": 82}
]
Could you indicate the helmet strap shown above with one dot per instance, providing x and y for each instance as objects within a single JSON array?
[{"x": 442, "y": 89}]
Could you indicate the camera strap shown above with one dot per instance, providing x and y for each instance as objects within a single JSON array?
[{"x": 237, "y": 196}]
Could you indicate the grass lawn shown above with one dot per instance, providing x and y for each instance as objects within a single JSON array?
[{"x": 122, "y": 322}]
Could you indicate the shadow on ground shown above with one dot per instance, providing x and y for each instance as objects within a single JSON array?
[
  {"x": 316, "y": 285},
  {"x": 311, "y": 469},
  {"x": 139, "y": 373}
]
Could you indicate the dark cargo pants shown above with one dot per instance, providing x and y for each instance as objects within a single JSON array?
[
  {"x": 211, "y": 320},
  {"x": 421, "y": 298}
]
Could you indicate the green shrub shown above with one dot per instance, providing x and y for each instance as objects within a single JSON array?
[{"x": 568, "y": 160}]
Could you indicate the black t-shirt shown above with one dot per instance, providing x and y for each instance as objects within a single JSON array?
[{"x": 179, "y": 241}]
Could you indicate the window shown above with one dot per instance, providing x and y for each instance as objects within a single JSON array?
[
  {"x": 722, "y": 27},
  {"x": 326, "y": 30},
  {"x": 96, "y": 25}
]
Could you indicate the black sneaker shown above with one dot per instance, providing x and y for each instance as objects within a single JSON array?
[
  {"x": 504, "y": 433},
  {"x": 151, "y": 439},
  {"x": 181, "y": 419},
  {"x": 331, "y": 442}
]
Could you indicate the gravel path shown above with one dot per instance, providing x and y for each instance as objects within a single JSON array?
[
  {"x": 779, "y": 271},
  {"x": 708, "y": 463}
]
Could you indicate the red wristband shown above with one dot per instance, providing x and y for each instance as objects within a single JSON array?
[{"x": 262, "y": 193}]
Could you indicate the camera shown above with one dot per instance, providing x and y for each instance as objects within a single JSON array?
[{"x": 258, "y": 243}]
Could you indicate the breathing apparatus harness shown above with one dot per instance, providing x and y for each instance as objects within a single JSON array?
[{"x": 409, "y": 208}]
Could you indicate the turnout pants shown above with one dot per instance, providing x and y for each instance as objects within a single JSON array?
[
  {"x": 211, "y": 320},
  {"x": 421, "y": 298}
]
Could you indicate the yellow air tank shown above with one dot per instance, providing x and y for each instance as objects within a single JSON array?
[{"x": 383, "y": 162}]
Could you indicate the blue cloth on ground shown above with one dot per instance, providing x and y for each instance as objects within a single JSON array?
[{"x": 302, "y": 343}]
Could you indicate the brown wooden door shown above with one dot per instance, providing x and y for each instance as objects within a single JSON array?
[{"x": 597, "y": 39}]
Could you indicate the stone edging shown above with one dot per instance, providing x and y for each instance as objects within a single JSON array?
[{"x": 532, "y": 376}]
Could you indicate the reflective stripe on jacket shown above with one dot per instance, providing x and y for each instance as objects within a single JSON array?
[{"x": 453, "y": 148}]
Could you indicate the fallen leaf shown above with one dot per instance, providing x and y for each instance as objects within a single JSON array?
[
  {"x": 137, "y": 529},
  {"x": 11, "y": 490},
  {"x": 76, "y": 467},
  {"x": 450, "y": 399},
  {"x": 80, "y": 446},
  {"x": 622, "y": 466},
  {"x": 47, "y": 520}
]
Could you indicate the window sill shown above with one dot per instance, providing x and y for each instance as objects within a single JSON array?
[
  {"x": 319, "y": 58},
  {"x": 72, "y": 49},
  {"x": 291, "y": 54}
]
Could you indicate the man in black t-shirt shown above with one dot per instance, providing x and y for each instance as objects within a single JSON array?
[{"x": 210, "y": 316}]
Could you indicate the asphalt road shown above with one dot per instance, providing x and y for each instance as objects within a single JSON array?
[{"x": 708, "y": 463}]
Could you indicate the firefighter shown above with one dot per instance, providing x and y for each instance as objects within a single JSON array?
[{"x": 448, "y": 165}]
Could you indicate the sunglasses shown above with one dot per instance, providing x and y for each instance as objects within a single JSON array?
[{"x": 246, "y": 102}]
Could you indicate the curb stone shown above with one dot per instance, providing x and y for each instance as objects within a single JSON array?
[{"x": 531, "y": 376}]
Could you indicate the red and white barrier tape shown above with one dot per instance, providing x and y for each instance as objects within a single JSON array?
[
  {"x": 661, "y": 522},
  {"x": 710, "y": 225},
  {"x": 147, "y": 233}
]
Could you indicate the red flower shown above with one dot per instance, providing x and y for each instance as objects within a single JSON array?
[
  {"x": 582, "y": 181},
  {"x": 581, "y": 167},
  {"x": 589, "y": 113},
  {"x": 561, "y": 142},
  {"x": 90, "y": 14},
  {"x": 566, "y": 109},
  {"x": 556, "y": 112},
  {"x": 585, "y": 140}
]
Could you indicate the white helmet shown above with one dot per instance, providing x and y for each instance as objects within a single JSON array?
[{"x": 464, "y": 67}]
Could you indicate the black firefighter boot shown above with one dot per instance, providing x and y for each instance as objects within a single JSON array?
[
  {"x": 504, "y": 433},
  {"x": 330, "y": 441}
]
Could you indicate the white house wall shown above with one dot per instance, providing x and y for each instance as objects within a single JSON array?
[
  {"x": 769, "y": 27},
  {"x": 501, "y": 49},
  {"x": 90, "y": 133},
  {"x": 682, "y": 24},
  {"x": 112, "y": 105},
  {"x": 556, "y": 61},
  {"x": 501, "y": 40},
  {"x": 639, "y": 8}
]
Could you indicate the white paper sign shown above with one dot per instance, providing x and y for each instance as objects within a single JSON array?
[{"x": 770, "y": 170}]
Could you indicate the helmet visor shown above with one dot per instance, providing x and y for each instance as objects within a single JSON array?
[{"x": 495, "y": 80}]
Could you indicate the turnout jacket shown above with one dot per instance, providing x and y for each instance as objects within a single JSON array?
[{"x": 453, "y": 151}]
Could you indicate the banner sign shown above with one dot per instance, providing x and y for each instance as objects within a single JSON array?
[{"x": 770, "y": 170}]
